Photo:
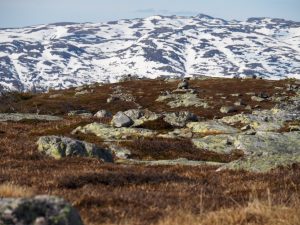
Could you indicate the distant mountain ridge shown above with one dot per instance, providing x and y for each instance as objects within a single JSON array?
[{"x": 62, "y": 55}]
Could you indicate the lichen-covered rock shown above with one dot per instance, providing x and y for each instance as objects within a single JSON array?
[
  {"x": 266, "y": 120},
  {"x": 108, "y": 133},
  {"x": 26, "y": 116},
  {"x": 285, "y": 143},
  {"x": 46, "y": 210},
  {"x": 180, "y": 119},
  {"x": 211, "y": 127},
  {"x": 263, "y": 151},
  {"x": 121, "y": 120},
  {"x": 221, "y": 143},
  {"x": 176, "y": 100},
  {"x": 262, "y": 162},
  {"x": 147, "y": 116},
  {"x": 60, "y": 147},
  {"x": 119, "y": 151},
  {"x": 178, "y": 133}
]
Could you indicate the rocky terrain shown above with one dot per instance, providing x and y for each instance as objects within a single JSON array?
[
  {"x": 138, "y": 151},
  {"x": 63, "y": 55}
]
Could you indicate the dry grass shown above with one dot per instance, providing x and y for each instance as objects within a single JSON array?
[
  {"x": 9, "y": 190},
  {"x": 255, "y": 213},
  {"x": 164, "y": 148}
]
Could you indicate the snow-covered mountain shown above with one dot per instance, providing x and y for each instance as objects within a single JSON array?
[{"x": 70, "y": 54}]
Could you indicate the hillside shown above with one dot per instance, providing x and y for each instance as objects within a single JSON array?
[
  {"x": 205, "y": 151},
  {"x": 63, "y": 55}
]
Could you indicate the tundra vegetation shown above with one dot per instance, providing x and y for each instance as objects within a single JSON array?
[{"x": 215, "y": 151}]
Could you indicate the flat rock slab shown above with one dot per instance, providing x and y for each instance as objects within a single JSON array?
[
  {"x": 211, "y": 127},
  {"x": 26, "y": 116},
  {"x": 183, "y": 100},
  {"x": 182, "y": 162},
  {"x": 221, "y": 143},
  {"x": 107, "y": 133},
  {"x": 61, "y": 147},
  {"x": 261, "y": 142},
  {"x": 262, "y": 163},
  {"x": 38, "y": 210},
  {"x": 269, "y": 142}
]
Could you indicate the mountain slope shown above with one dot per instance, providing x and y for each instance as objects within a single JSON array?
[{"x": 69, "y": 54}]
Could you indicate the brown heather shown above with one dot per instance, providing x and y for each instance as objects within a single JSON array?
[{"x": 135, "y": 194}]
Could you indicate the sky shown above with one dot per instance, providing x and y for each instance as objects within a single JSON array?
[{"x": 18, "y": 13}]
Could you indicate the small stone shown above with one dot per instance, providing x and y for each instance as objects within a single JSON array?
[
  {"x": 103, "y": 114},
  {"x": 40, "y": 221},
  {"x": 248, "y": 107},
  {"x": 263, "y": 95},
  {"x": 236, "y": 95},
  {"x": 183, "y": 85},
  {"x": 80, "y": 88},
  {"x": 247, "y": 127},
  {"x": 112, "y": 99},
  {"x": 240, "y": 102},
  {"x": 257, "y": 99},
  {"x": 82, "y": 93},
  {"x": 228, "y": 109},
  {"x": 55, "y": 96}
]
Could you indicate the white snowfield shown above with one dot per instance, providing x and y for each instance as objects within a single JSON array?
[{"x": 70, "y": 54}]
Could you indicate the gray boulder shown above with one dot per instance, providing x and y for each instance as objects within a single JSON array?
[
  {"x": 134, "y": 114},
  {"x": 121, "y": 120},
  {"x": 60, "y": 147},
  {"x": 180, "y": 119},
  {"x": 40, "y": 210}
]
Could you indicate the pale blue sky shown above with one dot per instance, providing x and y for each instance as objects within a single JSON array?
[{"x": 16, "y": 13}]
